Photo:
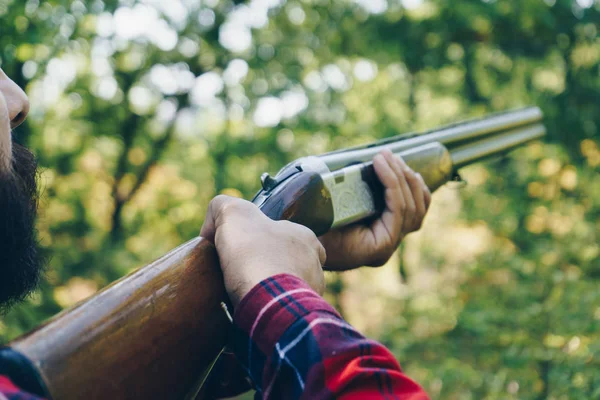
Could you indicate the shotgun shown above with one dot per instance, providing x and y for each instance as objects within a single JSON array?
[{"x": 157, "y": 332}]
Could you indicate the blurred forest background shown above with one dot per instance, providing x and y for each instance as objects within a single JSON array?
[{"x": 145, "y": 110}]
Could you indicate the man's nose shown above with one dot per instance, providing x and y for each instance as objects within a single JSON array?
[{"x": 16, "y": 100}]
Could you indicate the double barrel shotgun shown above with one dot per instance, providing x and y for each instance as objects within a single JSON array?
[{"x": 157, "y": 332}]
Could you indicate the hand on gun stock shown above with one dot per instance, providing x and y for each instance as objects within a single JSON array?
[{"x": 252, "y": 247}]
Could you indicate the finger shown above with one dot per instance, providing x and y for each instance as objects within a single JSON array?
[
  {"x": 216, "y": 210},
  {"x": 418, "y": 194},
  {"x": 208, "y": 229},
  {"x": 386, "y": 232},
  {"x": 389, "y": 225},
  {"x": 322, "y": 253},
  {"x": 384, "y": 171},
  {"x": 336, "y": 239},
  {"x": 426, "y": 191},
  {"x": 404, "y": 172}
]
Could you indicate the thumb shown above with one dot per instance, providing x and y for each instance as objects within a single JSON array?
[
  {"x": 215, "y": 209},
  {"x": 226, "y": 207}
]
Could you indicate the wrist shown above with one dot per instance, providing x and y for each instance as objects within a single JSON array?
[
  {"x": 238, "y": 292},
  {"x": 266, "y": 312},
  {"x": 239, "y": 286},
  {"x": 243, "y": 287}
]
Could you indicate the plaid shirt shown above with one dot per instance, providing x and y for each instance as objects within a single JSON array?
[
  {"x": 8, "y": 391},
  {"x": 294, "y": 345}
]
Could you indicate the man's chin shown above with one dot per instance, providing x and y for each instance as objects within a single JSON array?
[{"x": 20, "y": 264}]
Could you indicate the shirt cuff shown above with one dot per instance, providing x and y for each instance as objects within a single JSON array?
[{"x": 273, "y": 305}]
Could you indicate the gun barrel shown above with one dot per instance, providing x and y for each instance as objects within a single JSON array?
[
  {"x": 450, "y": 136},
  {"x": 498, "y": 144}
]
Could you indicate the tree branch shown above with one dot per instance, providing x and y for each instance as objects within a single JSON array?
[{"x": 158, "y": 150}]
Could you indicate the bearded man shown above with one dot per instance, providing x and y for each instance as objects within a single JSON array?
[
  {"x": 19, "y": 258},
  {"x": 291, "y": 342}
]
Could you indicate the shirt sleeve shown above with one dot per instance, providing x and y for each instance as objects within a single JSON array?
[
  {"x": 294, "y": 345},
  {"x": 8, "y": 391}
]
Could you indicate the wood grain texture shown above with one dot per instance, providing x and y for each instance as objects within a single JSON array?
[
  {"x": 151, "y": 334},
  {"x": 303, "y": 199}
]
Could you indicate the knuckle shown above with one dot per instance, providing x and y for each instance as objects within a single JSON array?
[
  {"x": 221, "y": 201},
  {"x": 316, "y": 243},
  {"x": 382, "y": 256},
  {"x": 227, "y": 206},
  {"x": 321, "y": 252},
  {"x": 308, "y": 235},
  {"x": 411, "y": 176},
  {"x": 300, "y": 232},
  {"x": 415, "y": 226},
  {"x": 401, "y": 206},
  {"x": 290, "y": 228},
  {"x": 217, "y": 205},
  {"x": 228, "y": 209},
  {"x": 389, "y": 250},
  {"x": 378, "y": 262}
]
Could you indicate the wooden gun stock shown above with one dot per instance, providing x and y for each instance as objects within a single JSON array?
[{"x": 153, "y": 334}]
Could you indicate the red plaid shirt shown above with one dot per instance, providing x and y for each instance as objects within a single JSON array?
[
  {"x": 294, "y": 345},
  {"x": 8, "y": 391}
]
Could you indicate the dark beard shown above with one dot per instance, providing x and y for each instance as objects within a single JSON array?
[{"x": 20, "y": 264}]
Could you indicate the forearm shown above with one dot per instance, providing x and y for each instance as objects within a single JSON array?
[{"x": 295, "y": 345}]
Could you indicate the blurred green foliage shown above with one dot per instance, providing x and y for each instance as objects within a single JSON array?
[{"x": 144, "y": 110}]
